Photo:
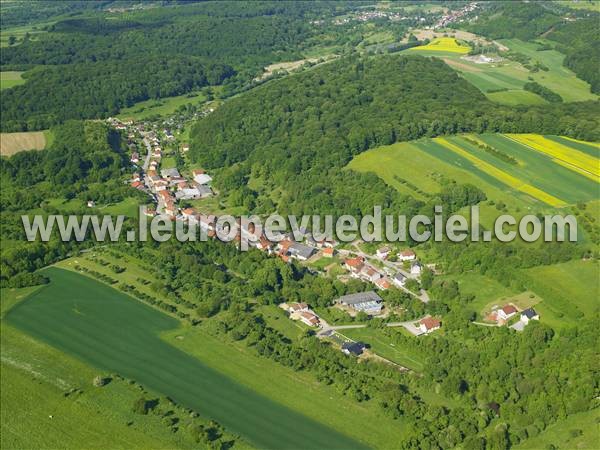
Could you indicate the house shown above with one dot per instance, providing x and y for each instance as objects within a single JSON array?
[
  {"x": 300, "y": 251},
  {"x": 297, "y": 307},
  {"x": 383, "y": 252},
  {"x": 416, "y": 268},
  {"x": 170, "y": 209},
  {"x": 383, "y": 284},
  {"x": 135, "y": 157},
  {"x": 407, "y": 255},
  {"x": 185, "y": 148},
  {"x": 369, "y": 273},
  {"x": 529, "y": 314},
  {"x": 135, "y": 177},
  {"x": 309, "y": 318},
  {"x": 170, "y": 173},
  {"x": 506, "y": 312},
  {"x": 137, "y": 185},
  {"x": 369, "y": 302},
  {"x": 429, "y": 324},
  {"x": 353, "y": 348},
  {"x": 160, "y": 185},
  {"x": 354, "y": 264},
  {"x": 399, "y": 280},
  {"x": 264, "y": 244},
  {"x": 91, "y": 203},
  {"x": 188, "y": 213},
  {"x": 328, "y": 252}
]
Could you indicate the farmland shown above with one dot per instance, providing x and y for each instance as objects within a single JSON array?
[
  {"x": 536, "y": 178},
  {"x": 503, "y": 81},
  {"x": 110, "y": 331},
  {"x": 45, "y": 386},
  {"x": 10, "y": 79},
  {"x": 443, "y": 44},
  {"x": 11, "y": 143}
]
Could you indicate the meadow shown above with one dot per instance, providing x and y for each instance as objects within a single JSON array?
[
  {"x": 11, "y": 143},
  {"x": 110, "y": 331},
  {"x": 536, "y": 179},
  {"x": 10, "y": 79}
]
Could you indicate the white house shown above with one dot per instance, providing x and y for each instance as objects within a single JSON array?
[
  {"x": 407, "y": 255},
  {"x": 309, "y": 318},
  {"x": 429, "y": 324},
  {"x": 399, "y": 280}
]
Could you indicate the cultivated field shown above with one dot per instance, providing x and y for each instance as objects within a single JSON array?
[
  {"x": 10, "y": 79},
  {"x": 11, "y": 143},
  {"x": 503, "y": 81},
  {"x": 536, "y": 178},
  {"x": 443, "y": 44},
  {"x": 113, "y": 332}
]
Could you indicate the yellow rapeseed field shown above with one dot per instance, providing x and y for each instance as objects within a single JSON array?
[
  {"x": 568, "y": 157},
  {"x": 504, "y": 177},
  {"x": 444, "y": 44}
]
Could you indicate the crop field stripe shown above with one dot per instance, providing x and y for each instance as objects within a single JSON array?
[
  {"x": 542, "y": 171},
  {"x": 445, "y": 44},
  {"x": 578, "y": 161},
  {"x": 502, "y": 176},
  {"x": 113, "y": 332},
  {"x": 590, "y": 148}
]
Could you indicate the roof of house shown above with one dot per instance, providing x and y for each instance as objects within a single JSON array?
[
  {"x": 202, "y": 178},
  {"x": 529, "y": 313},
  {"x": 430, "y": 323},
  {"x": 354, "y": 262},
  {"x": 384, "y": 249},
  {"x": 407, "y": 253},
  {"x": 360, "y": 297},
  {"x": 509, "y": 309},
  {"x": 298, "y": 306},
  {"x": 197, "y": 172},
  {"x": 170, "y": 173},
  {"x": 297, "y": 249},
  {"x": 355, "y": 348},
  {"x": 399, "y": 277},
  {"x": 309, "y": 316},
  {"x": 328, "y": 251},
  {"x": 189, "y": 211},
  {"x": 383, "y": 283}
]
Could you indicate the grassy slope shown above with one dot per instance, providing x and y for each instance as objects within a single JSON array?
[
  {"x": 108, "y": 330},
  {"x": 567, "y": 289}
]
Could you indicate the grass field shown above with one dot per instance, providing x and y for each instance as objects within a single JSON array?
[
  {"x": 10, "y": 79},
  {"x": 443, "y": 44},
  {"x": 385, "y": 347},
  {"x": 11, "y": 143},
  {"x": 515, "y": 97},
  {"x": 537, "y": 180},
  {"x": 579, "y": 431},
  {"x": 112, "y": 332},
  {"x": 161, "y": 107}
]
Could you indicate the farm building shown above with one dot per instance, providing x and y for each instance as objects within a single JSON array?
[
  {"x": 202, "y": 178},
  {"x": 369, "y": 302}
]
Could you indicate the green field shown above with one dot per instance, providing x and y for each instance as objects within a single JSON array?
[
  {"x": 161, "y": 107},
  {"x": 536, "y": 180},
  {"x": 570, "y": 290},
  {"x": 384, "y": 346},
  {"x": 510, "y": 76},
  {"x": 34, "y": 382},
  {"x": 113, "y": 332},
  {"x": 10, "y": 79}
]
